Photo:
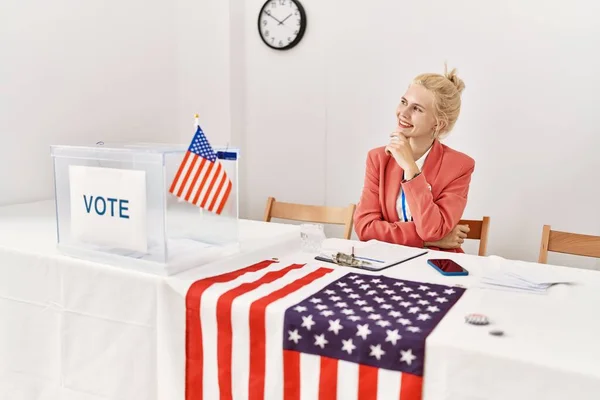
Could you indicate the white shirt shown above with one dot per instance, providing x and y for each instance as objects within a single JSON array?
[{"x": 399, "y": 202}]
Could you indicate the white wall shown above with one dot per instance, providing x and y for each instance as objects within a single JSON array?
[
  {"x": 286, "y": 116},
  {"x": 79, "y": 71},
  {"x": 126, "y": 70},
  {"x": 305, "y": 119},
  {"x": 203, "y": 60},
  {"x": 528, "y": 119},
  {"x": 210, "y": 72}
]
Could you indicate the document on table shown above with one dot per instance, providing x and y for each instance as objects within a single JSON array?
[
  {"x": 520, "y": 278},
  {"x": 376, "y": 254}
]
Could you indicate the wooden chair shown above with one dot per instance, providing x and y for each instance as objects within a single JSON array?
[
  {"x": 310, "y": 213},
  {"x": 479, "y": 231},
  {"x": 568, "y": 243}
]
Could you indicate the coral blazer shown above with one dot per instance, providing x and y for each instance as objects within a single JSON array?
[{"x": 436, "y": 198}]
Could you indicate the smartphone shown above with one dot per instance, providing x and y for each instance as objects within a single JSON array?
[{"x": 448, "y": 267}]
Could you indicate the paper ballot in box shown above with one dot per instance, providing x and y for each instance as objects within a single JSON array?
[{"x": 147, "y": 206}]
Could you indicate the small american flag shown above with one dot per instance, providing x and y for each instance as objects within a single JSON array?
[
  {"x": 201, "y": 178},
  {"x": 274, "y": 331}
]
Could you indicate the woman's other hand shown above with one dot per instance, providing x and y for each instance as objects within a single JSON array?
[{"x": 453, "y": 240}]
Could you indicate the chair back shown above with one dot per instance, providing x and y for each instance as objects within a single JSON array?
[
  {"x": 311, "y": 213},
  {"x": 478, "y": 231},
  {"x": 568, "y": 243}
]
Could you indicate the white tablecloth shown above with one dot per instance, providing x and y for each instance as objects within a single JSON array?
[
  {"x": 550, "y": 349},
  {"x": 72, "y": 329},
  {"x": 77, "y": 330}
]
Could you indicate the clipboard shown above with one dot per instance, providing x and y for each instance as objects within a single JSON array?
[{"x": 368, "y": 264}]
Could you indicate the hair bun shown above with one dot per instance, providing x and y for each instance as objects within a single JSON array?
[{"x": 453, "y": 77}]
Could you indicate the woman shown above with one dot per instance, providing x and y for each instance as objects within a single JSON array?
[{"x": 416, "y": 188}]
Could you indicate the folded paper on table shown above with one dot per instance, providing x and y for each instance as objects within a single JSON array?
[{"x": 519, "y": 280}]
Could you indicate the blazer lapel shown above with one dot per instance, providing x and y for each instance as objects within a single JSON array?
[{"x": 433, "y": 162}]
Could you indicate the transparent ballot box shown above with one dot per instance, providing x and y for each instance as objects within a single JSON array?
[{"x": 114, "y": 205}]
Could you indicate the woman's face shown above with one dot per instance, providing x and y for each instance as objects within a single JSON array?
[{"x": 416, "y": 113}]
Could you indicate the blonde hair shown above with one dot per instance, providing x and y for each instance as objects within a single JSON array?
[{"x": 446, "y": 89}]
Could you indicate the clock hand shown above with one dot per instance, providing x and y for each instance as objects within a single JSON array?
[
  {"x": 269, "y": 14},
  {"x": 281, "y": 23}
]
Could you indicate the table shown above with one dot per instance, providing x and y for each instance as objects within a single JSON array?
[
  {"x": 550, "y": 348},
  {"x": 74, "y": 329}
]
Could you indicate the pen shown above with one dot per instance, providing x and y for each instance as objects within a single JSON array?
[
  {"x": 369, "y": 259},
  {"x": 365, "y": 258}
]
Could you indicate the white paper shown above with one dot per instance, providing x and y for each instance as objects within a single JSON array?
[
  {"x": 383, "y": 253},
  {"x": 519, "y": 279},
  {"x": 108, "y": 207},
  {"x": 377, "y": 253}
]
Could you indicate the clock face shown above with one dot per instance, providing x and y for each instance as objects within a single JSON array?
[{"x": 281, "y": 23}]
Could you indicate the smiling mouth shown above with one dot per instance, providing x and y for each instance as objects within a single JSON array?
[{"x": 404, "y": 124}]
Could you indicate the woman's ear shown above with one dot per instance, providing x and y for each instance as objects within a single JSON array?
[{"x": 439, "y": 127}]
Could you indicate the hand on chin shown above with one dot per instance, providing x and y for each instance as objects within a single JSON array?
[{"x": 399, "y": 148}]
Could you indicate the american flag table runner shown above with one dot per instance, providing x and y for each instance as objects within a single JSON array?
[{"x": 276, "y": 331}]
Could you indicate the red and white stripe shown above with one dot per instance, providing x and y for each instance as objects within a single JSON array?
[
  {"x": 202, "y": 183},
  {"x": 234, "y": 342}
]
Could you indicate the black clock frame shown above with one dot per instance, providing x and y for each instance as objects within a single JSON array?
[{"x": 301, "y": 31}]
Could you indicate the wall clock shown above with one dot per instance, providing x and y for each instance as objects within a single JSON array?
[{"x": 281, "y": 23}]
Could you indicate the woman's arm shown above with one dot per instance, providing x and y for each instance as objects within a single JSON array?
[
  {"x": 368, "y": 218},
  {"x": 436, "y": 219},
  {"x": 453, "y": 240}
]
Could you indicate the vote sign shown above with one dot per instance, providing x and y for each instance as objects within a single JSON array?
[{"x": 108, "y": 207}]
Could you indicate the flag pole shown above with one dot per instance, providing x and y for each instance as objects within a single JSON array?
[{"x": 196, "y": 124}]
